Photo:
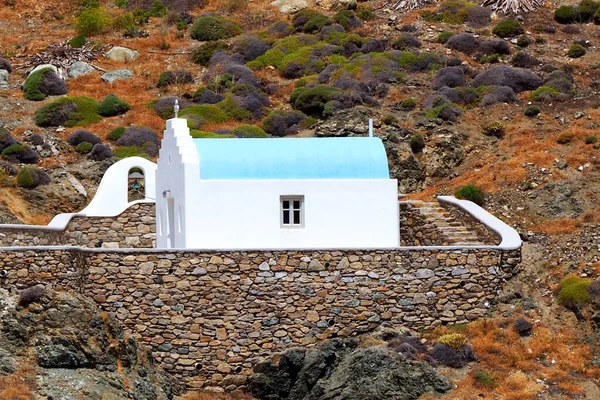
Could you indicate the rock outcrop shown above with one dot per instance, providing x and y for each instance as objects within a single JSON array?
[
  {"x": 75, "y": 350},
  {"x": 344, "y": 370}
]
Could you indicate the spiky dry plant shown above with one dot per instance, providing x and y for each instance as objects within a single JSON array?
[
  {"x": 408, "y": 5},
  {"x": 513, "y": 6}
]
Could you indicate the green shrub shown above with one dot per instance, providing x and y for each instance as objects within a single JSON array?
[
  {"x": 31, "y": 86},
  {"x": 78, "y": 41},
  {"x": 590, "y": 139},
  {"x": 68, "y": 111},
  {"x": 565, "y": 137},
  {"x": 121, "y": 3},
  {"x": 455, "y": 11},
  {"x": 484, "y": 378},
  {"x": 523, "y": 41},
  {"x": 430, "y": 16},
  {"x": 597, "y": 17},
  {"x": 312, "y": 100},
  {"x": 130, "y": 151},
  {"x": 542, "y": 91},
  {"x": 444, "y": 36},
  {"x": 532, "y": 111},
  {"x": 508, "y": 28},
  {"x": 116, "y": 133},
  {"x": 344, "y": 17},
  {"x": 573, "y": 291},
  {"x": 124, "y": 22},
  {"x": 495, "y": 128},
  {"x": 92, "y": 21},
  {"x": 196, "y": 134},
  {"x": 471, "y": 193},
  {"x": 587, "y": 9},
  {"x": 566, "y": 15},
  {"x": 112, "y": 106},
  {"x": 417, "y": 143},
  {"x": 408, "y": 104},
  {"x": 207, "y": 28},
  {"x": 576, "y": 51},
  {"x": 205, "y": 113},
  {"x": 25, "y": 178},
  {"x": 303, "y": 16},
  {"x": 453, "y": 340},
  {"x": 365, "y": 12},
  {"x": 157, "y": 9},
  {"x": 84, "y": 147},
  {"x": 390, "y": 119},
  {"x": 249, "y": 131},
  {"x": 491, "y": 59},
  {"x": 316, "y": 23},
  {"x": 13, "y": 149},
  {"x": 202, "y": 54}
]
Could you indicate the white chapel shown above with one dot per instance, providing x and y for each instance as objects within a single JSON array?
[{"x": 280, "y": 193}]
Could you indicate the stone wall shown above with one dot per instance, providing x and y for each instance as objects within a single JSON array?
[
  {"x": 208, "y": 315},
  {"x": 416, "y": 230},
  {"x": 134, "y": 228}
]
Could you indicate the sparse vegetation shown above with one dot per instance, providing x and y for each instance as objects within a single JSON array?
[
  {"x": 208, "y": 28},
  {"x": 573, "y": 291},
  {"x": 495, "y": 128},
  {"x": 532, "y": 111},
  {"x": 508, "y": 28},
  {"x": 92, "y": 21},
  {"x": 417, "y": 143},
  {"x": 84, "y": 147},
  {"x": 576, "y": 51},
  {"x": 471, "y": 193}
]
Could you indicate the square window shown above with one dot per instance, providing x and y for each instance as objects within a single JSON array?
[{"x": 292, "y": 211}]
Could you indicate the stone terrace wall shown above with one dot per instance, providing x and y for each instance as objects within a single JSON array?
[
  {"x": 208, "y": 315},
  {"x": 134, "y": 228},
  {"x": 416, "y": 230}
]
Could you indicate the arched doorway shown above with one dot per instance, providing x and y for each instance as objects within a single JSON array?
[{"x": 136, "y": 184}]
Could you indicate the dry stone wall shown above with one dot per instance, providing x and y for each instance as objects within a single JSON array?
[
  {"x": 134, "y": 228},
  {"x": 208, "y": 316}
]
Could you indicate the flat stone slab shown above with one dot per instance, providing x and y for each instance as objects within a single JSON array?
[
  {"x": 79, "y": 68},
  {"x": 112, "y": 76}
]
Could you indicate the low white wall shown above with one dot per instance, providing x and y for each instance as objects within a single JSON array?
[
  {"x": 510, "y": 237},
  {"x": 337, "y": 214}
]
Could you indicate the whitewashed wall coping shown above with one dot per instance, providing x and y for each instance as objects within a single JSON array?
[{"x": 510, "y": 237}]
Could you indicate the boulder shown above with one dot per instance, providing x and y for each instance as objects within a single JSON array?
[
  {"x": 337, "y": 5},
  {"x": 340, "y": 369},
  {"x": 5, "y": 65},
  {"x": 79, "y": 68},
  {"x": 3, "y": 79},
  {"x": 42, "y": 66},
  {"x": 348, "y": 122},
  {"x": 290, "y": 6},
  {"x": 112, "y": 76},
  {"x": 404, "y": 166},
  {"x": 122, "y": 54}
]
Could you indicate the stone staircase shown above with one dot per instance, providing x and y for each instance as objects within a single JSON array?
[{"x": 453, "y": 231}]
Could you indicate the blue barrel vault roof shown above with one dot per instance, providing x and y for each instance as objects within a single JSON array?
[{"x": 292, "y": 158}]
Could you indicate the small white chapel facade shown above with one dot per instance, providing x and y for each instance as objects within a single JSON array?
[{"x": 294, "y": 193}]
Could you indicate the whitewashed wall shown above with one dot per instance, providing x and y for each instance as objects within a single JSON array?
[{"x": 337, "y": 214}]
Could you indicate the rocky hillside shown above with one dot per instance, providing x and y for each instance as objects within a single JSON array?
[
  {"x": 60, "y": 346},
  {"x": 460, "y": 94}
]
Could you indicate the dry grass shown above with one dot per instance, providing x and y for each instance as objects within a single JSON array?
[
  {"x": 557, "y": 357},
  {"x": 18, "y": 386}
]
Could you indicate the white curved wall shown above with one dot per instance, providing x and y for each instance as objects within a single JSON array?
[{"x": 111, "y": 197}]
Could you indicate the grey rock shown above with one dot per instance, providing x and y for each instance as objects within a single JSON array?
[
  {"x": 199, "y": 271},
  {"x": 349, "y": 122},
  {"x": 79, "y": 68},
  {"x": 42, "y": 66},
  {"x": 158, "y": 303},
  {"x": 264, "y": 266},
  {"x": 112, "y": 76},
  {"x": 459, "y": 271},
  {"x": 165, "y": 347},
  {"x": 3, "y": 79},
  {"x": 424, "y": 273},
  {"x": 339, "y": 369},
  {"x": 122, "y": 54},
  {"x": 290, "y": 6}
]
